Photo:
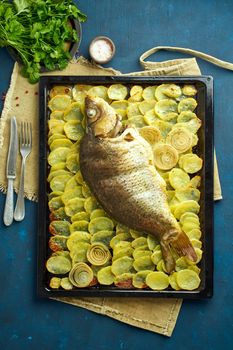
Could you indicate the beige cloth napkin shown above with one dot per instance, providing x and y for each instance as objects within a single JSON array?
[{"x": 157, "y": 315}]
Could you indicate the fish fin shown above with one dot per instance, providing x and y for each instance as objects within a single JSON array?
[
  {"x": 167, "y": 256},
  {"x": 178, "y": 242},
  {"x": 183, "y": 246}
]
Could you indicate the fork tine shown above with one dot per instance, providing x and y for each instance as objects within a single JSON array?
[
  {"x": 21, "y": 134},
  {"x": 30, "y": 135}
]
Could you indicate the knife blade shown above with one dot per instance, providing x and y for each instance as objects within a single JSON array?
[{"x": 11, "y": 172}]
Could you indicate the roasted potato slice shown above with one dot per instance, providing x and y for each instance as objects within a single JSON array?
[
  {"x": 74, "y": 130},
  {"x": 58, "y": 155},
  {"x": 178, "y": 178},
  {"x": 149, "y": 93},
  {"x": 58, "y": 227},
  {"x": 117, "y": 92},
  {"x": 122, "y": 265},
  {"x": 60, "y": 90},
  {"x": 165, "y": 107},
  {"x": 74, "y": 112},
  {"x": 191, "y": 163},
  {"x": 188, "y": 279},
  {"x": 58, "y": 265},
  {"x": 58, "y": 182},
  {"x": 59, "y": 102},
  {"x": 81, "y": 225},
  {"x": 157, "y": 280},
  {"x": 74, "y": 205},
  {"x": 100, "y": 224},
  {"x": 187, "y": 104},
  {"x": 105, "y": 276},
  {"x": 143, "y": 263},
  {"x": 102, "y": 237}
]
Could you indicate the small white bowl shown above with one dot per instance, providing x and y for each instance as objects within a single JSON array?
[{"x": 99, "y": 59}]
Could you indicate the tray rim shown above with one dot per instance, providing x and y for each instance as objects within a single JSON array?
[{"x": 207, "y": 291}]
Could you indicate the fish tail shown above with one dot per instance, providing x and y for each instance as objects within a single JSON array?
[{"x": 179, "y": 242}]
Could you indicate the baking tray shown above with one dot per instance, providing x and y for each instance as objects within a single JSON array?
[{"x": 204, "y": 85}]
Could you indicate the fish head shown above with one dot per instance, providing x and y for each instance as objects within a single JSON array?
[{"x": 102, "y": 119}]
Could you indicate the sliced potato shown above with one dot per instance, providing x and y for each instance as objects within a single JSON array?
[
  {"x": 143, "y": 263},
  {"x": 139, "y": 279},
  {"x": 182, "y": 207},
  {"x": 60, "y": 90},
  {"x": 119, "y": 253},
  {"x": 186, "y": 116},
  {"x": 137, "y": 253},
  {"x": 58, "y": 182},
  {"x": 189, "y": 90},
  {"x": 55, "y": 173},
  {"x": 75, "y": 238},
  {"x": 137, "y": 121},
  {"x": 100, "y": 91},
  {"x": 165, "y": 156},
  {"x": 102, "y": 237},
  {"x": 187, "y": 104},
  {"x": 58, "y": 265},
  {"x": 86, "y": 191},
  {"x": 58, "y": 227},
  {"x": 121, "y": 104},
  {"x": 60, "y": 143},
  {"x": 178, "y": 178},
  {"x": 74, "y": 205},
  {"x": 55, "y": 282},
  {"x": 163, "y": 126},
  {"x": 97, "y": 213},
  {"x": 59, "y": 102},
  {"x": 74, "y": 130},
  {"x": 196, "y": 243},
  {"x": 117, "y": 92},
  {"x": 150, "y": 117},
  {"x": 105, "y": 276},
  {"x": 82, "y": 215},
  {"x": 146, "y": 106},
  {"x": 156, "y": 257},
  {"x": 187, "y": 216},
  {"x": 56, "y": 126},
  {"x": 124, "y": 236},
  {"x": 58, "y": 243},
  {"x": 78, "y": 252},
  {"x": 52, "y": 195},
  {"x": 133, "y": 109},
  {"x": 173, "y": 282},
  {"x": 157, "y": 280},
  {"x": 164, "y": 107},
  {"x": 74, "y": 112},
  {"x": 191, "y": 163},
  {"x": 138, "y": 242},
  {"x": 194, "y": 234},
  {"x": 160, "y": 92},
  {"x": 58, "y": 155},
  {"x": 66, "y": 284},
  {"x": 124, "y": 281},
  {"x": 76, "y": 192},
  {"x": 56, "y": 115},
  {"x": 173, "y": 90},
  {"x": 72, "y": 162},
  {"x": 188, "y": 193},
  {"x": 188, "y": 279},
  {"x": 81, "y": 225},
  {"x": 55, "y": 136},
  {"x": 72, "y": 184},
  {"x": 122, "y": 265},
  {"x": 58, "y": 214},
  {"x": 90, "y": 204},
  {"x": 152, "y": 242},
  {"x": 100, "y": 224},
  {"x": 149, "y": 93},
  {"x": 136, "y": 93}
]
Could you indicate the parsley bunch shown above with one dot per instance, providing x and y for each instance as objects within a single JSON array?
[{"x": 37, "y": 31}]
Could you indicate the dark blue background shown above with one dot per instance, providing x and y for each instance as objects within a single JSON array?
[{"x": 27, "y": 322}]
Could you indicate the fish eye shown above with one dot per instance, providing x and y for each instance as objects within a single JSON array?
[{"x": 91, "y": 112}]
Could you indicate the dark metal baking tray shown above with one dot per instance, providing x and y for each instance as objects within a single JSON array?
[{"x": 204, "y": 85}]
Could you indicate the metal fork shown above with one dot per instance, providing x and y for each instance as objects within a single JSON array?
[{"x": 25, "y": 149}]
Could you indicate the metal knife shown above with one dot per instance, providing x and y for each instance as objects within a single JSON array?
[{"x": 11, "y": 173}]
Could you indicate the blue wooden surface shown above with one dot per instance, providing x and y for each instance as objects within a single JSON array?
[{"x": 27, "y": 322}]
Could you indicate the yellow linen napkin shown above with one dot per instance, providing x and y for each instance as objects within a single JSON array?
[{"x": 157, "y": 315}]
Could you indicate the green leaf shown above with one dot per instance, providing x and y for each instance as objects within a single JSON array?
[{"x": 22, "y": 5}]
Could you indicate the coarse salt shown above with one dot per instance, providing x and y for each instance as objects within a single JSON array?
[{"x": 101, "y": 50}]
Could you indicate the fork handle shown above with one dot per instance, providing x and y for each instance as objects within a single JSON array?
[
  {"x": 20, "y": 205},
  {"x": 9, "y": 210}
]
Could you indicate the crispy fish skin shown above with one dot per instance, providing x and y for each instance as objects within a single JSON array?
[{"x": 120, "y": 172}]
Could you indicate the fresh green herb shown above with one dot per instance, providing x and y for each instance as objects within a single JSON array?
[{"x": 38, "y": 31}]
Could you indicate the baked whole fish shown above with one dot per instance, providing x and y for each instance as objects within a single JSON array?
[{"x": 118, "y": 167}]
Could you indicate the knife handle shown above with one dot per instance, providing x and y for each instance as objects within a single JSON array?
[{"x": 9, "y": 210}]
